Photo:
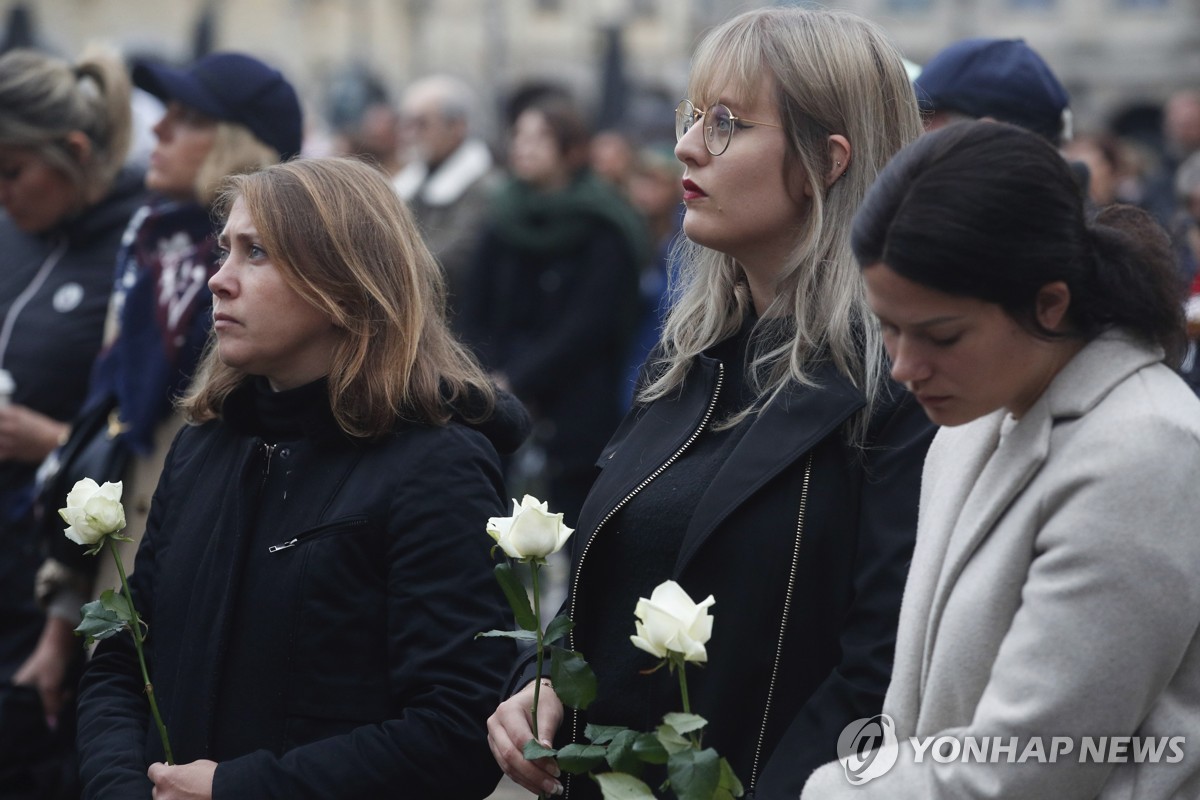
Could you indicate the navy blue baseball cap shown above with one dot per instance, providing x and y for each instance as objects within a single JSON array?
[
  {"x": 232, "y": 87},
  {"x": 999, "y": 78}
]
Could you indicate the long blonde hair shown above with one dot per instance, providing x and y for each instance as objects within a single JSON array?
[
  {"x": 833, "y": 73},
  {"x": 343, "y": 240}
]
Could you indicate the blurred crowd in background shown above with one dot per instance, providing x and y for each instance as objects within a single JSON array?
[{"x": 554, "y": 230}]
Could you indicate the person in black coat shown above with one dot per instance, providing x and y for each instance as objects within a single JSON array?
[
  {"x": 767, "y": 460},
  {"x": 551, "y": 304},
  {"x": 315, "y": 569},
  {"x": 66, "y": 198}
]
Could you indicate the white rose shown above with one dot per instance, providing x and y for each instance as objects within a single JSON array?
[
  {"x": 93, "y": 511},
  {"x": 671, "y": 622},
  {"x": 531, "y": 532}
]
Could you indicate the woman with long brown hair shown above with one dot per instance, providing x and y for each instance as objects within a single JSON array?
[{"x": 312, "y": 571}]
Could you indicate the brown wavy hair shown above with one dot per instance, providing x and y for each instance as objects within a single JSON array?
[{"x": 344, "y": 241}]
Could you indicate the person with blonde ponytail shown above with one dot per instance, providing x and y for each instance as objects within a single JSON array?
[
  {"x": 767, "y": 461},
  {"x": 158, "y": 309},
  {"x": 64, "y": 133},
  {"x": 66, "y": 198}
]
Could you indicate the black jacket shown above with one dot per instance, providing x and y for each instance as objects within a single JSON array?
[
  {"x": 54, "y": 292},
  {"x": 803, "y": 540},
  {"x": 558, "y": 325},
  {"x": 350, "y": 600}
]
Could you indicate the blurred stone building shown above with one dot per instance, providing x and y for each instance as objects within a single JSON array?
[{"x": 1113, "y": 55}]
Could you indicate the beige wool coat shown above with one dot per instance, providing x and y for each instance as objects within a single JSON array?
[{"x": 1055, "y": 592}]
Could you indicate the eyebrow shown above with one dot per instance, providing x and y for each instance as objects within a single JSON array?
[
  {"x": 244, "y": 236},
  {"x": 928, "y": 323}
]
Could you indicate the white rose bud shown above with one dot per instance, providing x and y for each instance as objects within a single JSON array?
[
  {"x": 531, "y": 532},
  {"x": 671, "y": 622},
  {"x": 93, "y": 511}
]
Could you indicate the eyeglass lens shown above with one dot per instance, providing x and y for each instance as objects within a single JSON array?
[{"x": 718, "y": 125}]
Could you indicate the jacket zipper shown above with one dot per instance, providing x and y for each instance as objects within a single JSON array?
[
  {"x": 712, "y": 404},
  {"x": 787, "y": 607},
  {"x": 268, "y": 451},
  {"x": 309, "y": 534}
]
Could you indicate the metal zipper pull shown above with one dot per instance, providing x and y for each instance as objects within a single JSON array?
[
  {"x": 269, "y": 449},
  {"x": 275, "y": 548}
]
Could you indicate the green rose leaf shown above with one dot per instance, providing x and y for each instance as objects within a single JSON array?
[
  {"x": 533, "y": 751},
  {"x": 648, "y": 748},
  {"x": 685, "y": 723},
  {"x": 728, "y": 786},
  {"x": 694, "y": 774},
  {"x": 602, "y": 734},
  {"x": 620, "y": 753},
  {"x": 619, "y": 786},
  {"x": 524, "y": 636},
  {"x": 98, "y": 622},
  {"x": 579, "y": 758},
  {"x": 671, "y": 740},
  {"x": 518, "y": 598},
  {"x": 116, "y": 603},
  {"x": 574, "y": 681},
  {"x": 559, "y": 627}
]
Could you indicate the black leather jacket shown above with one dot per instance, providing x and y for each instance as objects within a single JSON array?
[{"x": 804, "y": 541}]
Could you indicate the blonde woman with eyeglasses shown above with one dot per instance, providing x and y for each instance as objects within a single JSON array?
[{"x": 768, "y": 460}]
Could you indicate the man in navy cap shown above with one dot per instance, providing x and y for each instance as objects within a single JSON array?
[{"x": 1000, "y": 79}]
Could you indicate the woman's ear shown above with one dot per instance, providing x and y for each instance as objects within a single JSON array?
[
  {"x": 80, "y": 147},
  {"x": 839, "y": 158},
  {"x": 839, "y": 161},
  {"x": 1051, "y": 305}
]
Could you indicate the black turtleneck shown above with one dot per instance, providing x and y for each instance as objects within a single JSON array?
[{"x": 281, "y": 416}]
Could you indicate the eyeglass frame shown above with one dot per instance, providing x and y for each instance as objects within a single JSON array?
[{"x": 695, "y": 114}]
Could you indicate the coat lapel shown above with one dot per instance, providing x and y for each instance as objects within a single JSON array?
[
  {"x": 1016, "y": 458},
  {"x": 791, "y": 424},
  {"x": 943, "y": 494}
]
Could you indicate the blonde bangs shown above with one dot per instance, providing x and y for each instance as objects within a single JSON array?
[
  {"x": 831, "y": 72},
  {"x": 731, "y": 59}
]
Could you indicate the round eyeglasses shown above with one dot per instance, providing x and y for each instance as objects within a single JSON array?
[{"x": 718, "y": 124}]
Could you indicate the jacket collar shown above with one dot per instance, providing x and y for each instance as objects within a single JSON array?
[
  {"x": 461, "y": 169},
  {"x": 990, "y": 471},
  {"x": 788, "y": 427},
  {"x": 317, "y": 422},
  {"x": 1095, "y": 371},
  {"x": 780, "y": 434}
]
